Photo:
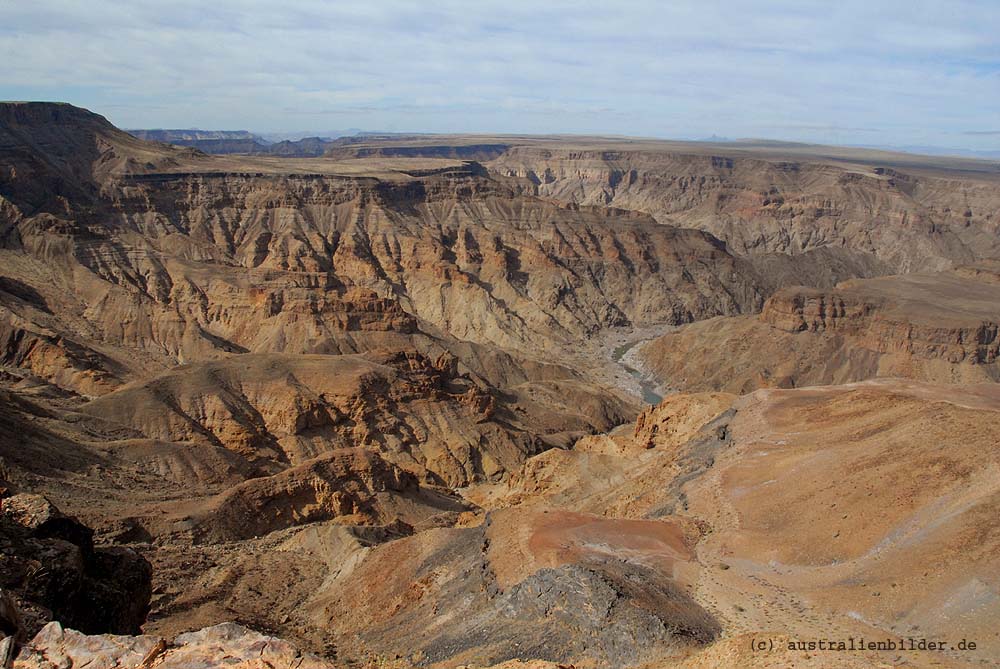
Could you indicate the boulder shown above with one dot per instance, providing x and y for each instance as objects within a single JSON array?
[{"x": 53, "y": 571}]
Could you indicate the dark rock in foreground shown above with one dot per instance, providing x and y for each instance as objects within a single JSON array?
[{"x": 51, "y": 570}]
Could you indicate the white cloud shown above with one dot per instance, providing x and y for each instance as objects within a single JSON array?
[{"x": 915, "y": 72}]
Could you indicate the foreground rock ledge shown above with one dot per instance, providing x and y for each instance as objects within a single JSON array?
[{"x": 226, "y": 644}]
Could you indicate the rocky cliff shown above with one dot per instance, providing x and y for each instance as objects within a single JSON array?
[
  {"x": 937, "y": 327},
  {"x": 155, "y": 256},
  {"x": 906, "y": 218},
  {"x": 927, "y": 317}
]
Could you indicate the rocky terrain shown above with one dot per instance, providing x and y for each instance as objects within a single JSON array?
[
  {"x": 935, "y": 327},
  {"x": 797, "y": 531},
  {"x": 378, "y": 407}
]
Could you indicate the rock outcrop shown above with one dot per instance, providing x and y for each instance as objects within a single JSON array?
[
  {"x": 273, "y": 411},
  {"x": 940, "y": 316},
  {"x": 225, "y": 644},
  {"x": 935, "y": 327},
  {"x": 352, "y": 486},
  {"x": 517, "y": 599},
  {"x": 54, "y": 571}
]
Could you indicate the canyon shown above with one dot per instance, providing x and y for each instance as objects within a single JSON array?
[{"x": 381, "y": 404}]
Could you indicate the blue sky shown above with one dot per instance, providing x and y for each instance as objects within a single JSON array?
[{"x": 870, "y": 72}]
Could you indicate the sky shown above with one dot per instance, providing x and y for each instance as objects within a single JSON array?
[{"x": 871, "y": 72}]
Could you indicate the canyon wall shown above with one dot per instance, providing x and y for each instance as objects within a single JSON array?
[{"x": 907, "y": 220}]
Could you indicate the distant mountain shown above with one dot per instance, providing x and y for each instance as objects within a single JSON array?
[
  {"x": 275, "y": 137},
  {"x": 307, "y": 146},
  {"x": 235, "y": 142},
  {"x": 177, "y": 136},
  {"x": 209, "y": 141}
]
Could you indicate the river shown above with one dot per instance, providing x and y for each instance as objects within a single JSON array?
[{"x": 649, "y": 394}]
